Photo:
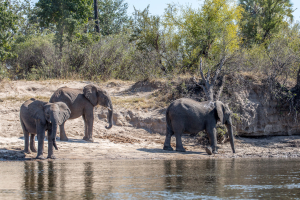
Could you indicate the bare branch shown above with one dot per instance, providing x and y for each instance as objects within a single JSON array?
[
  {"x": 201, "y": 71},
  {"x": 204, "y": 89},
  {"x": 208, "y": 74},
  {"x": 218, "y": 71},
  {"x": 220, "y": 89}
]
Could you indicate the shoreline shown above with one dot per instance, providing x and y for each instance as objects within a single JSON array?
[{"x": 105, "y": 149}]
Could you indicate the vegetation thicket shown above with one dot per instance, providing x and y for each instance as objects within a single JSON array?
[{"x": 57, "y": 39}]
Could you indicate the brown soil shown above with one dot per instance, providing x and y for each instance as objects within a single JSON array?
[{"x": 124, "y": 140}]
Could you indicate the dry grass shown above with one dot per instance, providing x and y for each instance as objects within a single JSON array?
[
  {"x": 137, "y": 102},
  {"x": 24, "y": 98}
]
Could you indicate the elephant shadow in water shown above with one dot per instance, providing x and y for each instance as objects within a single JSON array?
[{"x": 156, "y": 150}]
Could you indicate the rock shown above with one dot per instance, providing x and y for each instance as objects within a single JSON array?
[
  {"x": 261, "y": 118},
  {"x": 119, "y": 123}
]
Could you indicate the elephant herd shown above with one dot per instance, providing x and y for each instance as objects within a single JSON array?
[{"x": 182, "y": 116}]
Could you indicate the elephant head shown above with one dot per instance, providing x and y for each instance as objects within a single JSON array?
[
  {"x": 54, "y": 113},
  {"x": 97, "y": 96},
  {"x": 224, "y": 115}
]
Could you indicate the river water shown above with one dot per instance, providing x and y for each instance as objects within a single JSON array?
[{"x": 151, "y": 179}]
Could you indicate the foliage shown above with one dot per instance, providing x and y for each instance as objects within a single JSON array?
[
  {"x": 35, "y": 59},
  {"x": 112, "y": 16},
  {"x": 65, "y": 15},
  {"x": 146, "y": 30},
  {"x": 263, "y": 18},
  {"x": 208, "y": 31},
  {"x": 8, "y": 21},
  {"x": 55, "y": 39}
]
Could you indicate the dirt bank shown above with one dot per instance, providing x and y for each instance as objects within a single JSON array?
[{"x": 138, "y": 132}]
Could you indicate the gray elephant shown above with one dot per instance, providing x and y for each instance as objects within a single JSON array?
[
  {"x": 38, "y": 116},
  {"x": 189, "y": 116},
  {"x": 81, "y": 103}
]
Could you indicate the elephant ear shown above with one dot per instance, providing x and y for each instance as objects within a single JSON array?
[
  {"x": 90, "y": 92},
  {"x": 36, "y": 110},
  {"x": 220, "y": 111},
  {"x": 64, "y": 112}
]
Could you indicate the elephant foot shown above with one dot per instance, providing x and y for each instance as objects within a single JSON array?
[
  {"x": 168, "y": 148},
  {"x": 88, "y": 139},
  {"x": 27, "y": 151},
  {"x": 180, "y": 149},
  {"x": 41, "y": 157},
  {"x": 209, "y": 150},
  {"x": 51, "y": 157},
  {"x": 215, "y": 152},
  {"x": 63, "y": 139}
]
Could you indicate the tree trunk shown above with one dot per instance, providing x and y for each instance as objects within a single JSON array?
[
  {"x": 96, "y": 16},
  {"x": 298, "y": 79}
]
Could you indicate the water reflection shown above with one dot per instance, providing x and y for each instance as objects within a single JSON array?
[
  {"x": 29, "y": 179},
  {"x": 40, "y": 178},
  {"x": 88, "y": 180},
  {"x": 140, "y": 179}
]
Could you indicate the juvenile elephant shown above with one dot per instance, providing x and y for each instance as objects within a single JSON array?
[
  {"x": 189, "y": 116},
  {"x": 81, "y": 103},
  {"x": 36, "y": 117}
]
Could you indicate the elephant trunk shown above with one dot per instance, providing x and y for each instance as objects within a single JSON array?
[
  {"x": 54, "y": 121},
  {"x": 230, "y": 133},
  {"x": 110, "y": 116}
]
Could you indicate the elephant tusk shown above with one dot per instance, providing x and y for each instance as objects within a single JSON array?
[{"x": 109, "y": 108}]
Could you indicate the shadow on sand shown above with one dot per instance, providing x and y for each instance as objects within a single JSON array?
[
  {"x": 75, "y": 140},
  {"x": 70, "y": 140},
  {"x": 12, "y": 154}
]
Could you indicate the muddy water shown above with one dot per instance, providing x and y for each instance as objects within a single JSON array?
[{"x": 151, "y": 179}]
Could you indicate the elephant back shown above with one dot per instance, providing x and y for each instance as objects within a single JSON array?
[{"x": 66, "y": 95}]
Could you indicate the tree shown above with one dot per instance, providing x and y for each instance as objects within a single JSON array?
[
  {"x": 209, "y": 82},
  {"x": 112, "y": 16},
  {"x": 65, "y": 15},
  {"x": 262, "y": 19},
  {"x": 8, "y": 21},
  {"x": 208, "y": 31},
  {"x": 146, "y": 33},
  {"x": 96, "y": 16},
  {"x": 146, "y": 30}
]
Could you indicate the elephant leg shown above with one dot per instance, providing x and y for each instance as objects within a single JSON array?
[
  {"x": 41, "y": 138},
  {"x": 50, "y": 145},
  {"x": 26, "y": 138},
  {"x": 32, "y": 143},
  {"x": 85, "y": 137},
  {"x": 167, "y": 145},
  {"x": 212, "y": 134},
  {"x": 89, "y": 121},
  {"x": 63, "y": 136},
  {"x": 179, "y": 146}
]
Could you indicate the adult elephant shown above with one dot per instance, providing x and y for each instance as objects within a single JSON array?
[
  {"x": 189, "y": 116},
  {"x": 38, "y": 116},
  {"x": 81, "y": 103}
]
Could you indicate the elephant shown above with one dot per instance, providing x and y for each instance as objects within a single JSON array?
[
  {"x": 189, "y": 116},
  {"x": 81, "y": 103},
  {"x": 38, "y": 116}
]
